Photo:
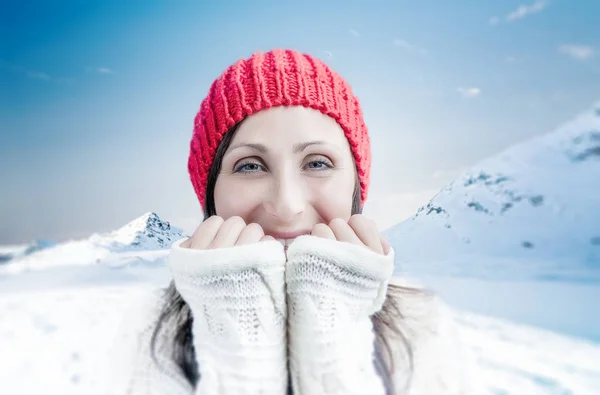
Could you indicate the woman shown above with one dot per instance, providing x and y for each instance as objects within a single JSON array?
[{"x": 286, "y": 287}]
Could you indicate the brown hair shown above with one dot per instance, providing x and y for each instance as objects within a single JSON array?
[{"x": 176, "y": 312}]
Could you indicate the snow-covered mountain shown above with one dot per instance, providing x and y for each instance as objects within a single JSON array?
[
  {"x": 147, "y": 232},
  {"x": 518, "y": 235},
  {"x": 530, "y": 212},
  {"x": 146, "y": 238}
]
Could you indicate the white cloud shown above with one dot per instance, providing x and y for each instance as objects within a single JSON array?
[
  {"x": 35, "y": 75},
  {"x": 100, "y": 70},
  {"x": 38, "y": 75},
  {"x": 524, "y": 10},
  {"x": 402, "y": 44},
  {"x": 469, "y": 92},
  {"x": 521, "y": 12},
  {"x": 399, "y": 43},
  {"x": 354, "y": 33},
  {"x": 579, "y": 52}
]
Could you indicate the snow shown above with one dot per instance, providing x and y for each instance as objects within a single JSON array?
[
  {"x": 53, "y": 341},
  {"x": 517, "y": 359},
  {"x": 527, "y": 311},
  {"x": 137, "y": 240},
  {"x": 518, "y": 235}
]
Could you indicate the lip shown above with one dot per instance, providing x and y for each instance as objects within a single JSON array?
[{"x": 287, "y": 235}]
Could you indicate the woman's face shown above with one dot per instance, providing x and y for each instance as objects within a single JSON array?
[{"x": 287, "y": 169}]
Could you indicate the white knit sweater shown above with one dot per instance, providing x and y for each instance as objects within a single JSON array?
[{"x": 261, "y": 319}]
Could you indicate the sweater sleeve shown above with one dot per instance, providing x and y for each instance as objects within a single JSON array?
[
  {"x": 333, "y": 289},
  {"x": 237, "y": 298},
  {"x": 237, "y": 301}
]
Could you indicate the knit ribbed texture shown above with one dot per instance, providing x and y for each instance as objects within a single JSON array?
[
  {"x": 266, "y": 80},
  {"x": 333, "y": 289},
  {"x": 237, "y": 296}
]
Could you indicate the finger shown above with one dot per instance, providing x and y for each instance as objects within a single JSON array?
[
  {"x": 385, "y": 245},
  {"x": 206, "y": 232},
  {"x": 366, "y": 230},
  {"x": 323, "y": 231},
  {"x": 252, "y": 233},
  {"x": 228, "y": 233},
  {"x": 267, "y": 238},
  {"x": 343, "y": 231},
  {"x": 187, "y": 243}
]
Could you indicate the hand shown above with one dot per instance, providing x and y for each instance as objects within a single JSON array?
[
  {"x": 218, "y": 233},
  {"x": 358, "y": 230}
]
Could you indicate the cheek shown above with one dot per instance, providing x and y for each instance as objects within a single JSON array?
[
  {"x": 235, "y": 197},
  {"x": 333, "y": 199}
]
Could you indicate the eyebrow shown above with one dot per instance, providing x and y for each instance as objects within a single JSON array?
[
  {"x": 257, "y": 147},
  {"x": 263, "y": 149}
]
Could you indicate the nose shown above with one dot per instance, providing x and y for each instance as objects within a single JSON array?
[{"x": 287, "y": 199}]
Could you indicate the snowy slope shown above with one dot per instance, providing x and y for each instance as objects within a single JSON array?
[
  {"x": 139, "y": 240},
  {"x": 56, "y": 342},
  {"x": 531, "y": 212}
]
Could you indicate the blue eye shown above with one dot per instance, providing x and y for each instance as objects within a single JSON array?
[
  {"x": 248, "y": 167},
  {"x": 320, "y": 164}
]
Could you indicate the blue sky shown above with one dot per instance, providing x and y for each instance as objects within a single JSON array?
[{"x": 98, "y": 98}]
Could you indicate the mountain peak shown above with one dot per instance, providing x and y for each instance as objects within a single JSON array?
[{"x": 146, "y": 232}]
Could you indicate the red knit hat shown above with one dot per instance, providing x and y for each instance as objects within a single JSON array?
[{"x": 276, "y": 78}]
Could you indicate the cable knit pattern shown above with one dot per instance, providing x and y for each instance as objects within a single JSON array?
[
  {"x": 276, "y": 78},
  {"x": 237, "y": 296},
  {"x": 333, "y": 289}
]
